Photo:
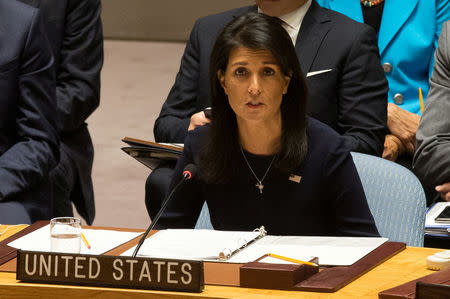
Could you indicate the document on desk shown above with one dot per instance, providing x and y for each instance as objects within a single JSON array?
[
  {"x": 331, "y": 251},
  {"x": 206, "y": 245},
  {"x": 193, "y": 244},
  {"x": 100, "y": 240},
  {"x": 434, "y": 227}
]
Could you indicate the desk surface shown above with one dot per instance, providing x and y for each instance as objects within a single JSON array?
[{"x": 405, "y": 266}]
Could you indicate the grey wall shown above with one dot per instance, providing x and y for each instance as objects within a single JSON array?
[{"x": 167, "y": 20}]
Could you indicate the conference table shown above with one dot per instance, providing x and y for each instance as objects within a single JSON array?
[{"x": 407, "y": 265}]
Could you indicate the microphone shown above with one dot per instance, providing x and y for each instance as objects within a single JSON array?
[
  {"x": 188, "y": 173},
  {"x": 208, "y": 112}
]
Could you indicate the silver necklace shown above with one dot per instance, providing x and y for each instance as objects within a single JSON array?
[{"x": 259, "y": 183}]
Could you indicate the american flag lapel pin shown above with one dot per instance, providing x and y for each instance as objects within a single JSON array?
[{"x": 295, "y": 178}]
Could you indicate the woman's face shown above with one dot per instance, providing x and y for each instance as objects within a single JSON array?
[{"x": 254, "y": 84}]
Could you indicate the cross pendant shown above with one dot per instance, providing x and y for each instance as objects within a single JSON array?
[{"x": 260, "y": 186}]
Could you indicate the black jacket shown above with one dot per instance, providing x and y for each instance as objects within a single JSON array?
[
  {"x": 74, "y": 30},
  {"x": 29, "y": 145},
  {"x": 351, "y": 98}
]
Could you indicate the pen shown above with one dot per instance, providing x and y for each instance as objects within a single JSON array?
[
  {"x": 291, "y": 260},
  {"x": 85, "y": 241},
  {"x": 421, "y": 100}
]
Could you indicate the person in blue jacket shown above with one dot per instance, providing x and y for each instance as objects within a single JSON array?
[{"x": 408, "y": 32}]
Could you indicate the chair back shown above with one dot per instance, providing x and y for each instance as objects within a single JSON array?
[{"x": 396, "y": 198}]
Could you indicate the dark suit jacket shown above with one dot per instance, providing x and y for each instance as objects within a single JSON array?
[
  {"x": 29, "y": 146},
  {"x": 75, "y": 32},
  {"x": 328, "y": 200},
  {"x": 352, "y": 98}
]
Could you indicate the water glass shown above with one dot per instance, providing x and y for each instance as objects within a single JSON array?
[{"x": 65, "y": 234}]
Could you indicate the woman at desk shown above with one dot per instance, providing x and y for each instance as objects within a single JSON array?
[
  {"x": 262, "y": 161},
  {"x": 408, "y": 32}
]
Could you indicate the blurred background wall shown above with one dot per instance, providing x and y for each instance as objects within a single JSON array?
[{"x": 168, "y": 20}]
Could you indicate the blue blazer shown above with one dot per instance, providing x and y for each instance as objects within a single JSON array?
[{"x": 407, "y": 39}]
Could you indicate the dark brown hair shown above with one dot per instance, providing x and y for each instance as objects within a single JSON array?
[{"x": 221, "y": 154}]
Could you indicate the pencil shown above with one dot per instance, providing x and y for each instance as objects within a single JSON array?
[
  {"x": 85, "y": 241},
  {"x": 421, "y": 100},
  {"x": 291, "y": 260}
]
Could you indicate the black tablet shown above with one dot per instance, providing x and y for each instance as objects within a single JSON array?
[{"x": 444, "y": 216}]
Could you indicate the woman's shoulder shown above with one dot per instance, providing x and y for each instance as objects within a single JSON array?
[
  {"x": 325, "y": 146},
  {"x": 198, "y": 133},
  {"x": 315, "y": 127},
  {"x": 322, "y": 138},
  {"x": 195, "y": 138}
]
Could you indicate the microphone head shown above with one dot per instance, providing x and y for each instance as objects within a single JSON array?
[{"x": 189, "y": 171}]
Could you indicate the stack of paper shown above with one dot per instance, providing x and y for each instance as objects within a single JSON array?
[{"x": 436, "y": 228}]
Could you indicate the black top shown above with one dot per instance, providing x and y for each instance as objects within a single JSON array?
[
  {"x": 328, "y": 201},
  {"x": 372, "y": 15}
]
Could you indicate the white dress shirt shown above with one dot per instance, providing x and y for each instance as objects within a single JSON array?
[{"x": 293, "y": 20}]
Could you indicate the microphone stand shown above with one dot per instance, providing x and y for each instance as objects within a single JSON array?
[{"x": 186, "y": 177}]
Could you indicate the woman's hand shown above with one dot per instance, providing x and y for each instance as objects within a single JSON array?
[
  {"x": 198, "y": 119},
  {"x": 403, "y": 124},
  {"x": 393, "y": 148},
  {"x": 444, "y": 191}
]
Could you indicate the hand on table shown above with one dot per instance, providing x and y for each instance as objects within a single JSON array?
[
  {"x": 444, "y": 191},
  {"x": 198, "y": 119},
  {"x": 403, "y": 124},
  {"x": 393, "y": 148}
]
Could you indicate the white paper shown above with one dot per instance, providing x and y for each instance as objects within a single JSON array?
[
  {"x": 206, "y": 245},
  {"x": 333, "y": 251},
  {"x": 180, "y": 145},
  {"x": 100, "y": 240},
  {"x": 198, "y": 244}
]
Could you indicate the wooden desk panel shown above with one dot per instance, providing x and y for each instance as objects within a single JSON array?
[
  {"x": 9, "y": 230},
  {"x": 407, "y": 265}
]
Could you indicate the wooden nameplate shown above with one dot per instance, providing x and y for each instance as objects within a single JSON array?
[
  {"x": 275, "y": 276},
  {"x": 334, "y": 278},
  {"x": 110, "y": 271},
  {"x": 408, "y": 290}
]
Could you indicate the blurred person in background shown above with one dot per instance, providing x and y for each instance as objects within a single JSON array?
[
  {"x": 407, "y": 32},
  {"x": 29, "y": 144},
  {"x": 74, "y": 29},
  {"x": 432, "y": 158}
]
